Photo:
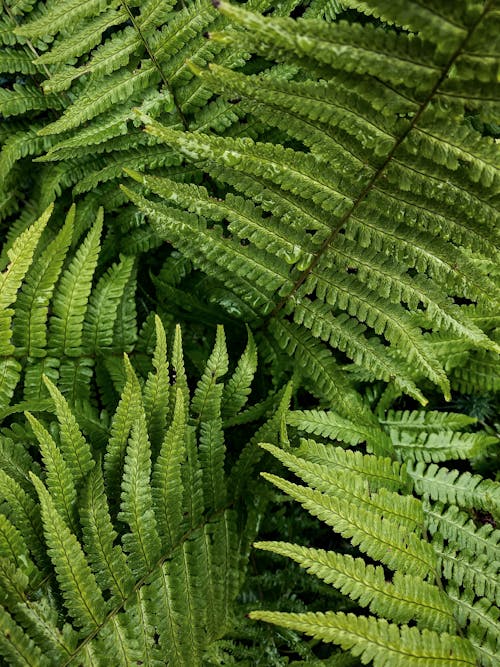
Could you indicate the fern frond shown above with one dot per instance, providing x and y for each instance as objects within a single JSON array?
[
  {"x": 237, "y": 388},
  {"x": 404, "y": 599},
  {"x": 30, "y": 332},
  {"x": 373, "y": 639},
  {"x": 459, "y": 530},
  {"x": 208, "y": 394},
  {"x": 107, "y": 559},
  {"x": 60, "y": 481},
  {"x": 383, "y": 539},
  {"x": 156, "y": 399},
  {"x": 379, "y": 472},
  {"x": 81, "y": 593},
  {"x": 74, "y": 448},
  {"x": 449, "y": 486},
  {"x": 368, "y": 207},
  {"x": 103, "y": 305},
  {"x": 17, "y": 646},
  {"x": 20, "y": 256},
  {"x": 167, "y": 487},
  {"x": 136, "y": 508},
  {"x": 70, "y": 301},
  {"x": 451, "y": 585},
  {"x": 331, "y": 425}
]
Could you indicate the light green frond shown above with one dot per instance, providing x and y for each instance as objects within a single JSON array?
[
  {"x": 74, "y": 448},
  {"x": 442, "y": 446},
  {"x": 12, "y": 545},
  {"x": 24, "y": 511},
  {"x": 375, "y": 639},
  {"x": 460, "y": 530},
  {"x": 208, "y": 394},
  {"x": 111, "y": 56},
  {"x": 71, "y": 298},
  {"x": 429, "y": 421},
  {"x": 99, "y": 97},
  {"x": 81, "y": 594},
  {"x": 383, "y": 539},
  {"x": 404, "y": 599},
  {"x": 17, "y": 646},
  {"x": 379, "y": 472},
  {"x": 107, "y": 560},
  {"x": 88, "y": 35},
  {"x": 192, "y": 482},
  {"x": 30, "y": 324},
  {"x": 483, "y": 618},
  {"x": 212, "y": 451},
  {"x": 121, "y": 425},
  {"x": 340, "y": 482},
  {"x": 237, "y": 388},
  {"x": 449, "y": 486},
  {"x": 103, "y": 306},
  {"x": 472, "y": 573},
  {"x": 17, "y": 60},
  {"x": 59, "y": 479},
  {"x": 179, "y": 379},
  {"x": 167, "y": 488},
  {"x": 20, "y": 257},
  {"x": 142, "y": 543},
  {"x": 156, "y": 389},
  {"x": 332, "y": 426},
  {"x": 348, "y": 335},
  {"x": 60, "y": 14}
]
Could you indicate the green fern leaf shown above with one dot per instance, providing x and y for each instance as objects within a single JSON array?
[
  {"x": 372, "y": 639},
  {"x": 59, "y": 480},
  {"x": 17, "y": 646},
  {"x": 70, "y": 301},
  {"x": 103, "y": 306},
  {"x": 208, "y": 394},
  {"x": 167, "y": 488},
  {"x": 82, "y": 596},
  {"x": 136, "y": 509},
  {"x": 237, "y": 388},
  {"x": 30, "y": 333},
  {"x": 449, "y": 486},
  {"x": 20, "y": 256},
  {"x": 405, "y": 599},
  {"x": 106, "y": 559},
  {"x": 74, "y": 447},
  {"x": 156, "y": 398}
]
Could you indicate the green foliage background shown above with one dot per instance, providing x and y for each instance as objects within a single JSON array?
[{"x": 310, "y": 190}]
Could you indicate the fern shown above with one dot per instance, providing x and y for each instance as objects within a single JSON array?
[
  {"x": 150, "y": 573},
  {"x": 75, "y": 71},
  {"x": 60, "y": 325},
  {"x": 423, "y": 574},
  {"x": 314, "y": 200},
  {"x": 355, "y": 224}
]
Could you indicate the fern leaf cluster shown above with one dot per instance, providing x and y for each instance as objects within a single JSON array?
[
  {"x": 423, "y": 567},
  {"x": 308, "y": 189},
  {"x": 57, "y": 320},
  {"x": 132, "y": 550},
  {"x": 360, "y": 226}
]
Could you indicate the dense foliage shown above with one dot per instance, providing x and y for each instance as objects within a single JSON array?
[{"x": 310, "y": 190}]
